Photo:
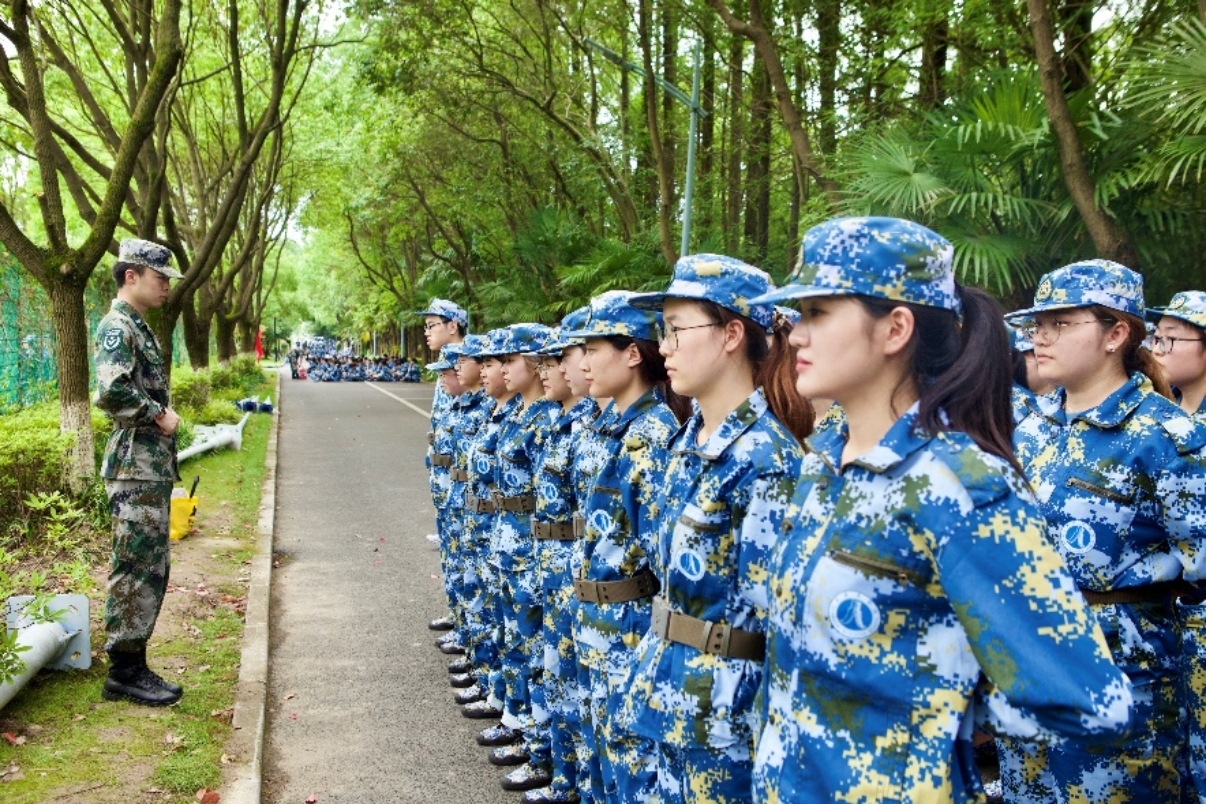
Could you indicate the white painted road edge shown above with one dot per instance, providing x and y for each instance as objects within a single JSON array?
[{"x": 408, "y": 404}]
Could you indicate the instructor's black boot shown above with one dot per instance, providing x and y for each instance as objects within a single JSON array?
[
  {"x": 175, "y": 689},
  {"x": 129, "y": 680}
]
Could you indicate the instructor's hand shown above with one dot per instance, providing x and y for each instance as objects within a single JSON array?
[{"x": 167, "y": 421}]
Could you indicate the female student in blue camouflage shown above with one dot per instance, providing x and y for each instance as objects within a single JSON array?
[
  {"x": 913, "y": 568},
  {"x": 1179, "y": 345},
  {"x": 555, "y": 697},
  {"x": 441, "y": 457},
  {"x": 733, "y": 467},
  {"x": 616, "y": 582},
  {"x": 1111, "y": 460}
]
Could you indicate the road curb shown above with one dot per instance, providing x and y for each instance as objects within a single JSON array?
[{"x": 250, "y": 708}]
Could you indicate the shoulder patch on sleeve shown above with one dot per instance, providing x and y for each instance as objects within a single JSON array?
[{"x": 111, "y": 339}]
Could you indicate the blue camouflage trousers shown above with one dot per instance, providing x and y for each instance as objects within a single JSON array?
[
  {"x": 704, "y": 775},
  {"x": 1193, "y": 699},
  {"x": 590, "y": 772},
  {"x": 449, "y": 527},
  {"x": 556, "y": 699},
  {"x": 140, "y": 561},
  {"x": 482, "y": 628},
  {"x": 627, "y": 763},
  {"x": 522, "y": 611}
]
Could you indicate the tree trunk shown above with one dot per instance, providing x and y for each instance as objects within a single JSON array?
[
  {"x": 705, "y": 179},
  {"x": 1076, "y": 21},
  {"x": 1202, "y": 11},
  {"x": 72, "y": 354},
  {"x": 1109, "y": 238},
  {"x": 934, "y": 41},
  {"x": 732, "y": 189},
  {"x": 226, "y": 337},
  {"x": 829, "y": 36},
  {"x": 246, "y": 336},
  {"x": 196, "y": 336},
  {"x": 757, "y": 182},
  {"x": 661, "y": 162}
]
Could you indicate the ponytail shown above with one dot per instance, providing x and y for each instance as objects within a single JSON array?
[
  {"x": 1135, "y": 357},
  {"x": 963, "y": 374},
  {"x": 774, "y": 367}
]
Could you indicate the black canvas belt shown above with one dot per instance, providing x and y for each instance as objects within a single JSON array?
[
  {"x": 1155, "y": 593},
  {"x": 518, "y": 504},
  {"x": 561, "y": 531},
  {"x": 441, "y": 460},
  {"x": 479, "y": 505},
  {"x": 641, "y": 585},
  {"x": 706, "y": 636}
]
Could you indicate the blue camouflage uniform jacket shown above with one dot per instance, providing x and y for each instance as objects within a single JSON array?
[
  {"x": 556, "y": 495},
  {"x": 441, "y": 444},
  {"x": 521, "y": 441},
  {"x": 1122, "y": 487},
  {"x": 472, "y": 408},
  {"x": 622, "y": 517},
  {"x": 722, "y": 510},
  {"x": 132, "y": 388},
  {"x": 482, "y": 452},
  {"x": 904, "y": 581}
]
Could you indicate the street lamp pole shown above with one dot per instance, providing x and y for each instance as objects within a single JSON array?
[{"x": 692, "y": 104}]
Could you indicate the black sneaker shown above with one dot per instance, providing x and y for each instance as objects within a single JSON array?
[
  {"x": 139, "y": 688},
  {"x": 461, "y": 665},
  {"x": 442, "y": 624},
  {"x": 526, "y": 778},
  {"x": 175, "y": 689},
  {"x": 461, "y": 680},
  {"x": 470, "y": 695},
  {"x": 498, "y": 735},
  {"x": 510, "y": 755}
]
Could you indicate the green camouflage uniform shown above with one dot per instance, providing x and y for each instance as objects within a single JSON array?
[{"x": 139, "y": 469}]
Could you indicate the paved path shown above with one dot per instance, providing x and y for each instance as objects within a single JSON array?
[{"x": 359, "y": 707}]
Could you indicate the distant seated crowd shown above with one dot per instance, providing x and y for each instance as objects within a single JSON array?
[{"x": 358, "y": 369}]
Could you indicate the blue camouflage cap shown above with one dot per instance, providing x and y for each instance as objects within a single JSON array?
[
  {"x": 884, "y": 258},
  {"x": 473, "y": 345},
  {"x": 1189, "y": 307},
  {"x": 559, "y": 341},
  {"x": 612, "y": 313},
  {"x": 524, "y": 339},
  {"x": 1018, "y": 339},
  {"x": 450, "y": 310},
  {"x": 448, "y": 356},
  {"x": 495, "y": 344},
  {"x": 151, "y": 255},
  {"x": 722, "y": 280},
  {"x": 1085, "y": 283}
]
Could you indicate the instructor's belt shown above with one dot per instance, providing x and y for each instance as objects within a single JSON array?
[
  {"x": 479, "y": 505},
  {"x": 706, "y": 636},
  {"x": 518, "y": 504},
  {"x": 561, "y": 531},
  {"x": 441, "y": 460},
  {"x": 641, "y": 585}
]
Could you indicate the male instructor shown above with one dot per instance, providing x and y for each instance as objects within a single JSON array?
[{"x": 139, "y": 469}]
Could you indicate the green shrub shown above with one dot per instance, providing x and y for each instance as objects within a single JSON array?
[
  {"x": 218, "y": 411},
  {"x": 190, "y": 389},
  {"x": 222, "y": 378},
  {"x": 32, "y": 451}
]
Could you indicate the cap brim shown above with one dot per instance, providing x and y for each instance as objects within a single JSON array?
[
  {"x": 170, "y": 273},
  {"x": 791, "y": 292},
  {"x": 1029, "y": 312},
  {"x": 648, "y": 301}
]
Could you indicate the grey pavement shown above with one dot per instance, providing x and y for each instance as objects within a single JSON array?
[{"x": 358, "y": 705}]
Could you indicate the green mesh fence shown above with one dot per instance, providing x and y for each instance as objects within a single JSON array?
[{"x": 28, "y": 369}]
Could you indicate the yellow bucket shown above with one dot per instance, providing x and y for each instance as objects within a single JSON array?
[{"x": 183, "y": 511}]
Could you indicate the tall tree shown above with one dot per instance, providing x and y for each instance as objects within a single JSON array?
[{"x": 96, "y": 170}]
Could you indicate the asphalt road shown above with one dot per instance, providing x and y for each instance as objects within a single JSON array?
[{"x": 359, "y": 707}]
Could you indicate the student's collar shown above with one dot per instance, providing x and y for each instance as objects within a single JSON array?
[
  {"x": 730, "y": 428},
  {"x": 645, "y": 402},
  {"x": 902, "y": 440},
  {"x": 1111, "y": 412}
]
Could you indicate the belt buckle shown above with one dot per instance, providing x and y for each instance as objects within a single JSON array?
[{"x": 660, "y": 625}]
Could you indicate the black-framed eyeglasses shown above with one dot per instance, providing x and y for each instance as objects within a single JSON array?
[
  {"x": 432, "y": 325},
  {"x": 1165, "y": 343},
  {"x": 668, "y": 333}
]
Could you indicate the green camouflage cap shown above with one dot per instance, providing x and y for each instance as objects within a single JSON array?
[{"x": 152, "y": 255}]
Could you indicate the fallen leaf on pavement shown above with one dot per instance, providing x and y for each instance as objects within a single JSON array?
[{"x": 207, "y": 796}]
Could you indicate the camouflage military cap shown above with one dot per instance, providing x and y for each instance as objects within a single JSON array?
[
  {"x": 725, "y": 281},
  {"x": 558, "y": 341},
  {"x": 448, "y": 356},
  {"x": 152, "y": 255},
  {"x": 446, "y": 309},
  {"x": 473, "y": 345},
  {"x": 525, "y": 338},
  {"x": 790, "y": 315},
  {"x": 611, "y": 313},
  {"x": 1085, "y": 283},
  {"x": 1189, "y": 307},
  {"x": 1018, "y": 339},
  {"x": 495, "y": 344},
  {"x": 884, "y": 258}
]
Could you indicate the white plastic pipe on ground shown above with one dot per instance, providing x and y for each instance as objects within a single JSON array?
[
  {"x": 46, "y": 641},
  {"x": 218, "y": 436}
]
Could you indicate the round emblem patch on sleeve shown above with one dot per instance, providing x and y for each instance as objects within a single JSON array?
[{"x": 111, "y": 339}]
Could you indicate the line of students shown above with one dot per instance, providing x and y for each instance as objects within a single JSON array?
[{"x": 668, "y": 586}]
